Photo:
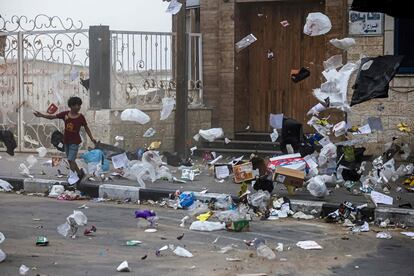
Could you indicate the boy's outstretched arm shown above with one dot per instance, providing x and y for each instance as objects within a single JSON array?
[
  {"x": 47, "y": 116},
  {"x": 88, "y": 131}
]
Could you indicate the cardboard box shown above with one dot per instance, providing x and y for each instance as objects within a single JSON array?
[
  {"x": 289, "y": 176},
  {"x": 243, "y": 172}
]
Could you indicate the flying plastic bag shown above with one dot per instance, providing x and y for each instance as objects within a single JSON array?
[
  {"x": 167, "y": 107},
  {"x": 211, "y": 134},
  {"x": 317, "y": 24},
  {"x": 245, "y": 42},
  {"x": 344, "y": 43},
  {"x": 42, "y": 151},
  {"x": 135, "y": 115},
  {"x": 333, "y": 62}
]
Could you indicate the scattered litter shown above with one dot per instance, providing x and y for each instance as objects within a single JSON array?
[
  {"x": 135, "y": 115},
  {"x": 184, "y": 220},
  {"x": 361, "y": 228},
  {"x": 245, "y": 42},
  {"x": 383, "y": 235},
  {"x": 23, "y": 269},
  {"x": 264, "y": 251},
  {"x": 123, "y": 267},
  {"x": 317, "y": 24},
  {"x": 308, "y": 245},
  {"x": 207, "y": 226},
  {"x": 167, "y": 108},
  {"x": 301, "y": 215},
  {"x": 284, "y": 23},
  {"x": 279, "y": 247},
  {"x": 174, "y": 7},
  {"x": 150, "y": 230},
  {"x": 211, "y": 134},
  {"x": 56, "y": 190},
  {"x": 343, "y": 44},
  {"x": 233, "y": 259},
  {"x": 133, "y": 242},
  {"x": 227, "y": 141},
  {"x": 149, "y": 133},
  {"x": 5, "y": 186},
  {"x": 42, "y": 151},
  {"x": 408, "y": 234},
  {"x": 182, "y": 252},
  {"x": 42, "y": 241}
]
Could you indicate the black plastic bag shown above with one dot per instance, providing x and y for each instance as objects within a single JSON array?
[
  {"x": 374, "y": 82},
  {"x": 57, "y": 140},
  {"x": 7, "y": 137}
]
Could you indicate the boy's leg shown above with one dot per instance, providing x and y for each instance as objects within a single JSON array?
[
  {"x": 74, "y": 167},
  {"x": 71, "y": 154}
]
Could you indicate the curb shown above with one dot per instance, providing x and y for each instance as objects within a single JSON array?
[{"x": 123, "y": 192}]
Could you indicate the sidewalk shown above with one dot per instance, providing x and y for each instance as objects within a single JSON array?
[{"x": 9, "y": 168}]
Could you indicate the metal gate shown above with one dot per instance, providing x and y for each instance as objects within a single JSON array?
[{"x": 43, "y": 60}]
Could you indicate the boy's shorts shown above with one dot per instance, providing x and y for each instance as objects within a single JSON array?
[{"x": 71, "y": 151}]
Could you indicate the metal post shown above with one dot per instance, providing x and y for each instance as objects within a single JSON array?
[
  {"x": 20, "y": 80},
  {"x": 181, "y": 119}
]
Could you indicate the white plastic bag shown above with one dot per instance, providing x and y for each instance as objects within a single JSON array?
[
  {"x": 56, "y": 190},
  {"x": 6, "y": 186},
  {"x": 23, "y": 269},
  {"x": 264, "y": 251},
  {"x": 79, "y": 218},
  {"x": 123, "y": 267},
  {"x": 182, "y": 252},
  {"x": 135, "y": 115},
  {"x": 63, "y": 229},
  {"x": 328, "y": 152},
  {"x": 167, "y": 108},
  {"x": 344, "y": 43},
  {"x": 149, "y": 133},
  {"x": 317, "y": 24},
  {"x": 339, "y": 129},
  {"x": 211, "y": 134},
  {"x": 207, "y": 226},
  {"x": 42, "y": 151},
  {"x": 274, "y": 135},
  {"x": 333, "y": 62},
  {"x": 316, "y": 186},
  {"x": 31, "y": 160}
]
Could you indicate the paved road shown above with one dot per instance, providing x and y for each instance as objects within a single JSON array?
[
  {"x": 103, "y": 252},
  {"x": 9, "y": 168}
]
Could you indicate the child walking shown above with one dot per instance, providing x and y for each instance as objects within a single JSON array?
[{"x": 71, "y": 138}]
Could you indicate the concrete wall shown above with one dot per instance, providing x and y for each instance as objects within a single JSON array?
[{"x": 106, "y": 124}]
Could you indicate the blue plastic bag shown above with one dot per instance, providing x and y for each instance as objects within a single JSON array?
[
  {"x": 186, "y": 199},
  {"x": 96, "y": 156}
]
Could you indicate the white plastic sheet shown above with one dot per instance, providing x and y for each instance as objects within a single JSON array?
[
  {"x": 167, "y": 108},
  {"x": 211, "y": 134},
  {"x": 6, "y": 186},
  {"x": 135, "y": 115},
  {"x": 343, "y": 44},
  {"x": 317, "y": 24},
  {"x": 308, "y": 245},
  {"x": 207, "y": 226}
]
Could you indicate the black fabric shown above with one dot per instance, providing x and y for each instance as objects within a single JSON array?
[
  {"x": 292, "y": 133},
  {"x": 350, "y": 175},
  {"x": 395, "y": 8},
  {"x": 85, "y": 83},
  {"x": 374, "y": 82},
  {"x": 57, "y": 140},
  {"x": 264, "y": 184},
  {"x": 7, "y": 137},
  {"x": 303, "y": 74}
]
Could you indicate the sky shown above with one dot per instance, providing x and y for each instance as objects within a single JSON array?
[{"x": 130, "y": 15}]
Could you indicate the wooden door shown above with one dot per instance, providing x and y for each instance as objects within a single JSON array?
[{"x": 270, "y": 89}]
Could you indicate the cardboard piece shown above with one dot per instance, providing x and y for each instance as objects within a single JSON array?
[
  {"x": 243, "y": 172},
  {"x": 289, "y": 176}
]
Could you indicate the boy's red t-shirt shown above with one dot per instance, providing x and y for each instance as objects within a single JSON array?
[{"x": 72, "y": 127}]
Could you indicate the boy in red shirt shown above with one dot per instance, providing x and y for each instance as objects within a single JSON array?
[{"x": 71, "y": 138}]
